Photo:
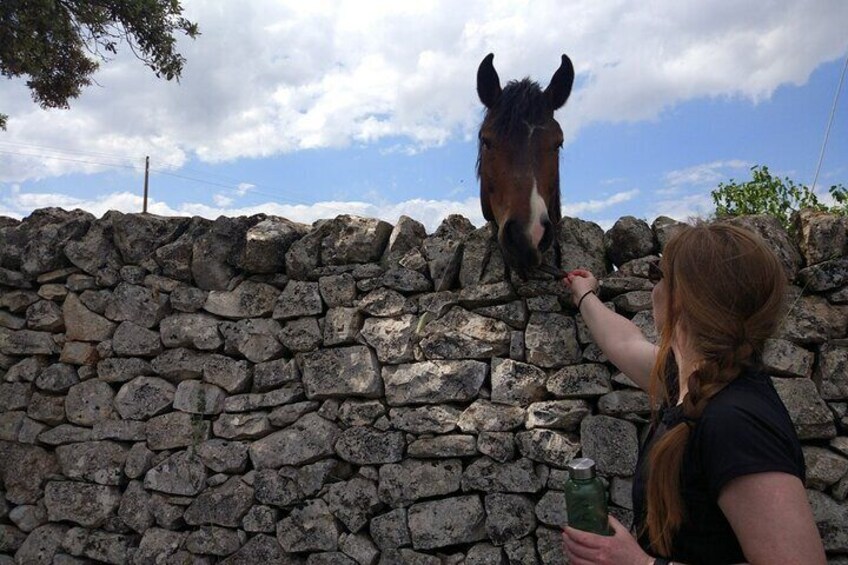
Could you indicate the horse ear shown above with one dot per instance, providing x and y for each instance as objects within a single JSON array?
[
  {"x": 560, "y": 87},
  {"x": 488, "y": 83}
]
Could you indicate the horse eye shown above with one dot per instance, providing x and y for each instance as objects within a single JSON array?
[{"x": 486, "y": 142}]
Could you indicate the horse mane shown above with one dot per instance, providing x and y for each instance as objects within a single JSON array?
[{"x": 521, "y": 102}]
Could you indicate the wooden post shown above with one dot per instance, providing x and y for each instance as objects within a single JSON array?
[{"x": 146, "y": 176}]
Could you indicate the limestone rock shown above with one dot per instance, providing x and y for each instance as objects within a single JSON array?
[
  {"x": 832, "y": 370},
  {"x": 255, "y": 339},
  {"x": 27, "y": 342},
  {"x": 551, "y": 340},
  {"x": 224, "y": 456},
  {"x": 311, "y": 528},
  {"x": 43, "y": 246},
  {"x": 337, "y": 290},
  {"x": 404, "y": 483},
  {"x": 309, "y": 439},
  {"x": 630, "y": 238},
  {"x": 389, "y": 530},
  {"x": 366, "y": 446},
  {"x": 392, "y": 338},
  {"x": 809, "y": 413},
  {"x": 517, "y": 384},
  {"x": 487, "y": 475},
  {"x": 437, "y": 419},
  {"x": 611, "y": 442},
  {"x": 547, "y": 446},
  {"x": 557, "y": 414},
  {"x": 229, "y": 374},
  {"x": 258, "y": 549},
  {"x": 137, "y": 304},
  {"x": 101, "y": 546},
  {"x": 445, "y": 522},
  {"x": 775, "y": 236},
  {"x": 353, "y": 502},
  {"x": 784, "y": 358},
  {"x": 179, "y": 364},
  {"x": 580, "y": 381},
  {"x": 508, "y": 517},
  {"x": 353, "y": 239},
  {"x": 199, "y": 331},
  {"x": 117, "y": 370},
  {"x": 302, "y": 334},
  {"x": 175, "y": 429},
  {"x": 582, "y": 246},
  {"x": 485, "y": 416},
  {"x": 81, "y": 503},
  {"x": 144, "y": 397},
  {"x": 24, "y": 469},
  {"x": 443, "y": 446},
  {"x": 182, "y": 474},
  {"x": 224, "y": 505},
  {"x": 267, "y": 242},
  {"x": 461, "y": 334},
  {"x": 298, "y": 299},
  {"x": 132, "y": 340},
  {"x": 41, "y": 545},
  {"x": 100, "y": 462},
  {"x": 89, "y": 402},
  {"x": 433, "y": 382},
  {"x": 822, "y": 236},
  {"x": 212, "y": 540},
  {"x": 248, "y": 300},
  {"x": 199, "y": 398},
  {"x": 58, "y": 377}
]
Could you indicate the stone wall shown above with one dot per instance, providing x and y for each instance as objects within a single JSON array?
[{"x": 251, "y": 390}]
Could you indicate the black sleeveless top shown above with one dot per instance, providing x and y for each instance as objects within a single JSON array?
[{"x": 745, "y": 429}]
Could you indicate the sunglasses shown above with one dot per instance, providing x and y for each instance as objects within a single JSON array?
[{"x": 655, "y": 274}]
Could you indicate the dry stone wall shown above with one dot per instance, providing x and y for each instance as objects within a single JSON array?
[{"x": 252, "y": 390}]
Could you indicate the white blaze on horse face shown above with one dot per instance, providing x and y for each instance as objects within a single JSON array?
[
  {"x": 538, "y": 208},
  {"x": 538, "y": 216}
]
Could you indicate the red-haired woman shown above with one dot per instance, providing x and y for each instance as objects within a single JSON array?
[{"x": 720, "y": 476}]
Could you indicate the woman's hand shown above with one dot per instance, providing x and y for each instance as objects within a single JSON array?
[
  {"x": 580, "y": 281},
  {"x": 584, "y": 548}
]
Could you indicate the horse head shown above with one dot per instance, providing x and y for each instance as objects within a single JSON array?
[{"x": 518, "y": 161}]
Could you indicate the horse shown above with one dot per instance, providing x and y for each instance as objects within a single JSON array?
[{"x": 518, "y": 161}]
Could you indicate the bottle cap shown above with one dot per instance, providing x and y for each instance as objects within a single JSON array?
[{"x": 581, "y": 468}]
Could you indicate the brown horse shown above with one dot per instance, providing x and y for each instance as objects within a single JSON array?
[{"x": 518, "y": 161}]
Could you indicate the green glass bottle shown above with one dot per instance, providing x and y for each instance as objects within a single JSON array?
[{"x": 586, "y": 498}]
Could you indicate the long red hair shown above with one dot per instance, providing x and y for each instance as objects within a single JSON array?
[{"x": 725, "y": 294}]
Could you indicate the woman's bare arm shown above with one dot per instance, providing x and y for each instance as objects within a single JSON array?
[
  {"x": 619, "y": 338},
  {"x": 772, "y": 518}
]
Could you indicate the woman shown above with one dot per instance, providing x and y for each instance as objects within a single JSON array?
[{"x": 720, "y": 476}]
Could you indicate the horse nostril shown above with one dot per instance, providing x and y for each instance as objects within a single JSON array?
[
  {"x": 512, "y": 234},
  {"x": 547, "y": 236}
]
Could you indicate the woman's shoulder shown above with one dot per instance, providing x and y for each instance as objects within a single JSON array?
[{"x": 749, "y": 399}]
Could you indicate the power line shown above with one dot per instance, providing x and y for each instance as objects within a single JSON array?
[
  {"x": 164, "y": 172},
  {"x": 87, "y": 162},
  {"x": 830, "y": 123}
]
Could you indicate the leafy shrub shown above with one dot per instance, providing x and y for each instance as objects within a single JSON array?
[{"x": 767, "y": 194}]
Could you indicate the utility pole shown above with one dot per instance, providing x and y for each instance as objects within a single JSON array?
[{"x": 146, "y": 176}]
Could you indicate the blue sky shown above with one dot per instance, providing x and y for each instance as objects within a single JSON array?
[{"x": 312, "y": 111}]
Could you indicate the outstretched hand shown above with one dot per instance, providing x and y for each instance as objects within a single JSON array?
[
  {"x": 580, "y": 282},
  {"x": 621, "y": 548}
]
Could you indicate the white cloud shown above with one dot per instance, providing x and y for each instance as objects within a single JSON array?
[
  {"x": 18, "y": 204},
  {"x": 703, "y": 175},
  {"x": 592, "y": 206},
  {"x": 269, "y": 76},
  {"x": 683, "y": 207}
]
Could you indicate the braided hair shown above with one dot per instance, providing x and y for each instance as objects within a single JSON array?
[{"x": 724, "y": 296}]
